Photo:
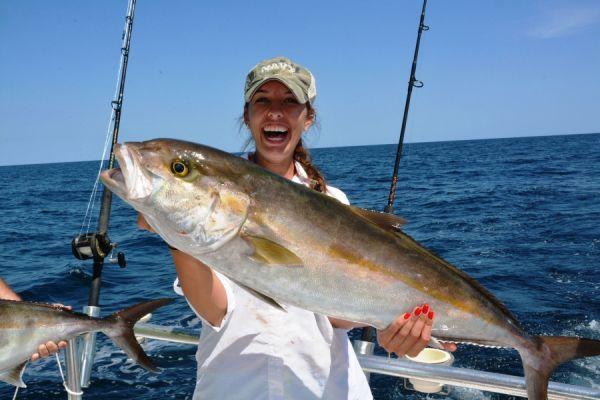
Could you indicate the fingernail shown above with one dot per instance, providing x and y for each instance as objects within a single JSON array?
[
  {"x": 425, "y": 308},
  {"x": 431, "y": 314},
  {"x": 407, "y": 315},
  {"x": 418, "y": 311}
]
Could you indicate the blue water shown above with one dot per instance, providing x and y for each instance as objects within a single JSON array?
[{"x": 520, "y": 215}]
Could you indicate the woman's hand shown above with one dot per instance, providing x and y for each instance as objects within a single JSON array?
[
  {"x": 410, "y": 333},
  {"x": 143, "y": 224},
  {"x": 48, "y": 348}
]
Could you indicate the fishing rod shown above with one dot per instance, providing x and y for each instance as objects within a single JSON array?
[
  {"x": 97, "y": 245},
  {"x": 412, "y": 83},
  {"x": 366, "y": 345}
]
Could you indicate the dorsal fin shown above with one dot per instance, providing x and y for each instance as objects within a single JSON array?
[
  {"x": 412, "y": 244},
  {"x": 382, "y": 219}
]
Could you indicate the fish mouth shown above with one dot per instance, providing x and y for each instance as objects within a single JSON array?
[
  {"x": 116, "y": 176},
  {"x": 131, "y": 181}
]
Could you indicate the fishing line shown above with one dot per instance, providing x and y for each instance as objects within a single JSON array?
[
  {"x": 92, "y": 201},
  {"x": 16, "y": 391},
  {"x": 69, "y": 391}
]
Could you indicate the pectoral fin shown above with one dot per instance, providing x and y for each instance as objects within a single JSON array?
[
  {"x": 14, "y": 376},
  {"x": 270, "y": 253},
  {"x": 382, "y": 219}
]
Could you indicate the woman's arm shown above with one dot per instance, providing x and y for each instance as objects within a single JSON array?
[
  {"x": 342, "y": 324},
  {"x": 201, "y": 286}
]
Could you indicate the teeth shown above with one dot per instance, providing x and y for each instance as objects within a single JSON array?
[{"x": 275, "y": 128}]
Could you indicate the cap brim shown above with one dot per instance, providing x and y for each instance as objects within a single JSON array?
[{"x": 294, "y": 88}]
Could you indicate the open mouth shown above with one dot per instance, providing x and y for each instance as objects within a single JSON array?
[
  {"x": 130, "y": 180},
  {"x": 114, "y": 180},
  {"x": 275, "y": 134},
  {"x": 116, "y": 175}
]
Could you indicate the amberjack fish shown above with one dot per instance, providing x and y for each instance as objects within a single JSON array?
[
  {"x": 292, "y": 245},
  {"x": 25, "y": 325}
]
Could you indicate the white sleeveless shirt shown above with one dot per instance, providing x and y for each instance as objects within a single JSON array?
[{"x": 259, "y": 352}]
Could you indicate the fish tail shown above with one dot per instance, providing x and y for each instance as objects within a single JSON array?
[
  {"x": 546, "y": 353},
  {"x": 120, "y": 330}
]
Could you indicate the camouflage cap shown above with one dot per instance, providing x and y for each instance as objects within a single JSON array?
[{"x": 297, "y": 78}]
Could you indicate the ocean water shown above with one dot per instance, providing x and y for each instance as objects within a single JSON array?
[{"x": 520, "y": 215}]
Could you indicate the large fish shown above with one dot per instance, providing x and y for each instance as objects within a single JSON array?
[
  {"x": 295, "y": 246},
  {"x": 25, "y": 325}
]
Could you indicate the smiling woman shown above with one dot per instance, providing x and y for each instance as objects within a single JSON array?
[
  {"x": 277, "y": 111},
  {"x": 277, "y": 120},
  {"x": 277, "y": 352}
]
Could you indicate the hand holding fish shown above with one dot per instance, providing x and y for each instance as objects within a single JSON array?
[
  {"x": 44, "y": 349},
  {"x": 49, "y": 348},
  {"x": 410, "y": 333},
  {"x": 24, "y": 324}
]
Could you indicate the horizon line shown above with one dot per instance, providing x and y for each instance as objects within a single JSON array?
[{"x": 354, "y": 145}]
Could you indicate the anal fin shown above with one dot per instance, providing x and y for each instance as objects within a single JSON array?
[
  {"x": 14, "y": 376},
  {"x": 261, "y": 296}
]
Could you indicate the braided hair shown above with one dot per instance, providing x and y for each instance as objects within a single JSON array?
[{"x": 302, "y": 155}]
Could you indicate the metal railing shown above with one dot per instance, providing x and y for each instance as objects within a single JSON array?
[{"x": 453, "y": 376}]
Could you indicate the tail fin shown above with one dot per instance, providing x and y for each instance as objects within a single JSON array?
[
  {"x": 552, "y": 351},
  {"x": 120, "y": 330}
]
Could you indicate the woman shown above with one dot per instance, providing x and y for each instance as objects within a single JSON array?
[{"x": 248, "y": 350}]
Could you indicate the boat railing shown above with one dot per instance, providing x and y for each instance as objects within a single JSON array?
[{"x": 452, "y": 376}]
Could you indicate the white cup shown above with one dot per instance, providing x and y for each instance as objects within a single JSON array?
[{"x": 430, "y": 356}]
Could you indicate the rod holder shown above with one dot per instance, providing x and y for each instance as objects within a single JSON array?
[
  {"x": 72, "y": 359},
  {"x": 364, "y": 348},
  {"x": 88, "y": 348}
]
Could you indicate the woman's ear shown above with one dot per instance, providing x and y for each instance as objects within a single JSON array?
[{"x": 310, "y": 119}]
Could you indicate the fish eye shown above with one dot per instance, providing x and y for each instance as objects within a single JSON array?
[{"x": 180, "y": 168}]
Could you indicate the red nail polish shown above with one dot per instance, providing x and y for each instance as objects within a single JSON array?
[
  {"x": 407, "y": 315},
  {"x": 431, "y": 314},
  {"x": 425, "y": 308},
  {"x": 418, "y": 311}
]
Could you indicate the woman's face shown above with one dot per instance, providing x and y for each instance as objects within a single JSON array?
[{"x": 276, "y": 120}]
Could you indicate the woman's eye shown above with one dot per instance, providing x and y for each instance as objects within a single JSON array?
[
  {"x": 261, "y": 100},
  {"x": 180, "y": 168},
  {"x": 291, "y": 100}
]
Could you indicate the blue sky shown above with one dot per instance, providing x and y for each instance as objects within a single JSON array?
[{"x": 490, "y": 68}]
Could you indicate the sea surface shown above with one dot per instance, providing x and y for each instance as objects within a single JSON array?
[{"x": 520, "y": 215}]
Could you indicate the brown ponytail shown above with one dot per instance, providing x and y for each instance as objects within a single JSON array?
[{"x": 303, "y": 157}]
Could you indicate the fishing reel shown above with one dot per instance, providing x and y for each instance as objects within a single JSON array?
[{"x": 96, "y": 246}]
